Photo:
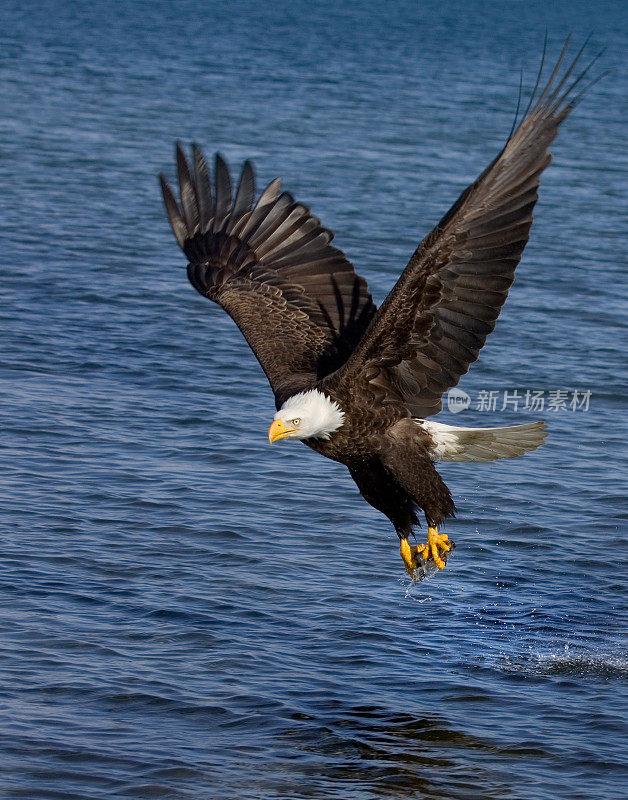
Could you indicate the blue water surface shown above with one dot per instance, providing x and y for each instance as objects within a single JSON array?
[{"x": 188, "y": 613}]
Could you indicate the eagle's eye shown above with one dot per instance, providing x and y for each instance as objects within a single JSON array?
[{"x": 296, "y": 421}]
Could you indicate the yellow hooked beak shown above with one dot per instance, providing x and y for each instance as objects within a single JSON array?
[{"x": 279, "y": 430}]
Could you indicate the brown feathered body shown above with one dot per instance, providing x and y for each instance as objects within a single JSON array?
[
  {"x": 311, "y": 322},
  {"x": 392, "y": 465}
]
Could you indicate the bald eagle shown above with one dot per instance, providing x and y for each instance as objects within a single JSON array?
[{"x": 357, "y": 383}]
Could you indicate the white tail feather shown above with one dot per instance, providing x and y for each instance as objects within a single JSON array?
[{"x": 483, "y": 444}]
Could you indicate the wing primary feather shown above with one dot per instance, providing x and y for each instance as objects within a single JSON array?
[
  {"x": 258, "y": 218},
  {"x": 266, "y": 220},
  {"x": 561, "y": 58},
  {"x": 574, "y": 101},
  {"x": 246, "y": 191},
  {"x": 187, "y": 191},
  {"x": 177, "y": 224},
  {"x": 223, "y": 192},
  {"x": 514, "y": 122},
  {"x": 270, "y": 193},
  {"x": 538, "y": 78},
  {"x": 203, "y": 185},
  {"x": 556, "y": 91}
]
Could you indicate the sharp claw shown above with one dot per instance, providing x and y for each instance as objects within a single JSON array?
[
  {"x": 437, "y": 559},
  {"x": 408, "y": 556},
  {"x": 436, "y": 540},
  {"x": 435, "y": 548}
]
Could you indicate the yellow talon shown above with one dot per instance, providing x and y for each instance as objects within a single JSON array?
[
  {"x": 436, "y": 546},
  {"x": 434, "y": 541},
  {"x": 406, "y": 554},
  {"x": 410, "y": 555}
]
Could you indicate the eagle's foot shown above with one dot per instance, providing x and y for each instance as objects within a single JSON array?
[
  {"x": 436, "y": 542},
  {"x": 417, "y": 558},
  {"x": 409, "y": 555}
]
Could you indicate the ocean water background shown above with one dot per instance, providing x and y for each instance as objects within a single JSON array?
[{"x": 188, "y": 613}]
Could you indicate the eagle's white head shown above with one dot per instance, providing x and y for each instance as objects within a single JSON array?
[{"x": 307, "y": 415}]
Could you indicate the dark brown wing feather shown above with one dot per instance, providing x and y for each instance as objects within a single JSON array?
[
  {"x": 434, "y": 322},
  {"x": 295, "y": 297}
]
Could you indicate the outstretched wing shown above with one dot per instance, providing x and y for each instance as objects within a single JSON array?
[
  {"x": 435, "y": 320},
  {"x": 270, "y": 265}
]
